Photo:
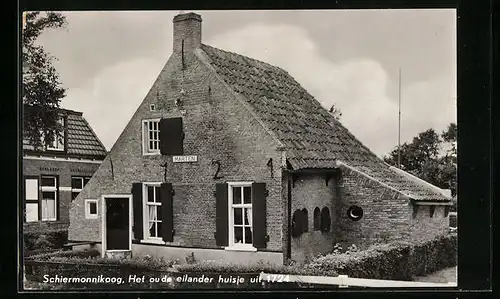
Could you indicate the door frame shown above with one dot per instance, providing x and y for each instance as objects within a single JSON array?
[{"x": 103, "y": 222}]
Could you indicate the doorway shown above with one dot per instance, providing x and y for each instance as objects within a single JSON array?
[{"x": 116, "y": 223}]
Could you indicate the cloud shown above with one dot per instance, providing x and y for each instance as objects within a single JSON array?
[
  {"x": 112, "y": 96},
  {"x": 358, "y": 86}
]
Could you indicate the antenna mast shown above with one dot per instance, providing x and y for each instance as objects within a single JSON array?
[{"x": 399, "y": 122}]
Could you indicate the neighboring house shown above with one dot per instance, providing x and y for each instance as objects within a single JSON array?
[
  {"x": 53, "y": 176},
  {"x": 229, "y": 157}
]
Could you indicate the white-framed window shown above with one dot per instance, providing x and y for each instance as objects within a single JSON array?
[
  {"x": 31, "y": 199},
  {"x": 151, "y": 136},
  {"x": 58, "y": 143},
  {"x": 240, "y": 216},
  {"x": 91, "y": 209},
  {"x": 77, "y": 184},
  {"x": 49, "y": 198},
  {"x": 152, "y": 211}
]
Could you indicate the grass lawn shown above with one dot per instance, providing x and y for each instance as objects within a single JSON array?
[{"x": 443, "y": 276}]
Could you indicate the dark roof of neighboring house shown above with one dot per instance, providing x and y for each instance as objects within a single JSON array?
[
  {"x": 81, "y": 138},
  {"x": 311, "y": 136}
]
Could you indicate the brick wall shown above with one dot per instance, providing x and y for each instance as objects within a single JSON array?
[
  {"x": 217, "y": 127},
  {"x": 425, "y": 226},
  {"x": 386, "y": 213},
  {"x": 311, "y": 191},
  {"x": 64, "y": 170}
]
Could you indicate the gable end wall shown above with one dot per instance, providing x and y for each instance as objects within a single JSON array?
[{"x": 217, "y": 128}]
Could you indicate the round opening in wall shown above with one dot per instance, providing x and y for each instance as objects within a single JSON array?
[{"x": 355, "y": 213}]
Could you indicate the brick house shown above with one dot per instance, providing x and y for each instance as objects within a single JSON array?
[
  {"x": 53, "y": 176},
  {"x": 229, "y": 157}
]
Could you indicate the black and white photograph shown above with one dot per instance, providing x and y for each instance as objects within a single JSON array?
[{"x": 244, "y": 149}]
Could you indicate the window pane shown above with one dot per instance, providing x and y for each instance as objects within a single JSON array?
[
  {"x": 31, "y": 189},
  {"x": 151, "y": 145},
  {"x": 49, "y": 195},
  {"x": 152, "y": 213},
  {"x": 77, "y": 183},
  {"x": 238, "y": 235},
  {"x": 158, "y": 229},
  {"x": 157, "y": 194},
  {"x": 151, "y": 135},
  {"x": 93, "y": 208},
  {"x": 247, "y": 194},
  {"x": 158, "y": 213},
  {"x": 236, "y": 195},
  {"x": 248, "y": 217},
  {"x": 152, "y": 229},
  {"x": 151, "y": 195},
  {"x": 86, "y": 180},
  {"x": 74, "y": 195},
  {"x": 248, "y": 235},
  {"x": 48, "y": 181},
  {"x": 48, "y": 209},
  {"x": 150, "y": 125},
  {"x": 31, "y": 212},
  {"x": 238, "y": 217}
]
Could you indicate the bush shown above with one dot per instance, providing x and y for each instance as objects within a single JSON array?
[
  {"x": 391, "y": 261},
  {"x": 222, "y": 266},
  {"x": 90, "y": 253},
  {"x": 93, "y": 256},
  {"x": 42, "y": 240}
]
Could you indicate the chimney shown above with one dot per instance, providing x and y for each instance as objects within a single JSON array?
[{"x": 187, "y": 32}]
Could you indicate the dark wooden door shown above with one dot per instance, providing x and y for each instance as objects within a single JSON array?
[{"x": 117, "y": 224}]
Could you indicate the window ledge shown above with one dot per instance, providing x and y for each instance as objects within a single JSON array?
[
  {"x": 151, "y": 154},
  {"x": 153, "y": 241},
  {"x": 240, "y": 248}
]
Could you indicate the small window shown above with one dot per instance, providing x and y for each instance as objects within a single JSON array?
[
  {"x": 151, "y": 136},
  {"x": 31, "y": 194},
  {"x": 48, "y": 181},
  {"x": 77, "y": 184},
  {"x": 355, "y": 213},
  {"x": 91, "y": 208},
  {"x": 317, "y": 219},
  {"x": 152, "y": 211},
  {"x": 152, "y": 107},
  {"x": 431, "y": 211},
  {"x": 241, "y": 229},
  {"x": 326, "y": 221},
  {"x": 58, "y": 143},
  {"x": 49, "y": 198},
  {"x": 31, "y": 212},
  {"x": 446, "y": 211},
  {"x": 415, "y": 211},
  {"x": 305, "y": 221},
  {"x": 297, "y": 224}
]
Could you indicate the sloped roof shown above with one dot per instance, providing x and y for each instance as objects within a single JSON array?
[
  {"x": 81, "y": 139},
  {"x": 311, "y": 136}
]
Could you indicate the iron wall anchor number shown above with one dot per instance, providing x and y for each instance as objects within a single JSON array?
[{"x": 216, "y": 175}]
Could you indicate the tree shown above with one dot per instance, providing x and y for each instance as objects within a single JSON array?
[
  {"x": 450, "y": 136},
  {"x": 415, "y": 154},
  {"x": 423, "y": 158},
  {"x": 41, "y": 90},
  {"x": 335, "y": 112}
]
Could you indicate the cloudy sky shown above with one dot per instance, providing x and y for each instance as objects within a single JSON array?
[{"x": 350, "y": 58}]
